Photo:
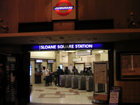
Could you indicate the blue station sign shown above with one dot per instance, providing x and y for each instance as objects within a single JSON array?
[{"x": 67, "y": 46}]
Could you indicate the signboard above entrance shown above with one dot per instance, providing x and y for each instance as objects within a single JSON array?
[
  {"x": 67, "y": 46},
  {"x": 63, "y": 9}
]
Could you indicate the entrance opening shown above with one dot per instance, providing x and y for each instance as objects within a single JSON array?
[{"x": 74, "y": 87}]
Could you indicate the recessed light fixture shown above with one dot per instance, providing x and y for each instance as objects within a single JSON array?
[
  {"x": 61, "y": 37},
  {"x": 95, "y": 38},
  {"x": 32, "y": 40},
  {"x": 130, "y": 35},
  {"x": 49, "y": 38}
]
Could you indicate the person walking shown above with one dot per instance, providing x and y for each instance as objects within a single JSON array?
[{"x": 59, "y": 72}]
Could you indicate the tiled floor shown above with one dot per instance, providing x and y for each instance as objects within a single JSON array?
[{"x": 60, "y": 95}]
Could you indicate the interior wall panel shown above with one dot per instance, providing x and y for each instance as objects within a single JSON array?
[
  {"x": 35, "y": 11},
  {"x": 64, "y": 26},
  {"x": 130, "y": 88},
  {"x": 23, "y": 11},
  {"x": 119, "y": 10},
  {"x": 93, "y": 9},
  {"x": 9, "y": 14}
]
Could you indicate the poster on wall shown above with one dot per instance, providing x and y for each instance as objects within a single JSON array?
[
  {"x": 130, "y": 66},
  {"x": 63, "y": 9},
  {"x": 100, "y": 72}
]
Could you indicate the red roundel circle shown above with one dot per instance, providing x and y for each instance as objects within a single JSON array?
[{"x": 66, "y": 13}]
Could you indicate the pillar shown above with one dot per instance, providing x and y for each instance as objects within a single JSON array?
[{"x": 71, "y": 55}]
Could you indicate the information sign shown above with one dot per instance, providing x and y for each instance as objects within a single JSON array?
[
  {"x": 114, "y": 96},
  {"x": 100, "y": 72},
  {"x": 67, "y": 46}
]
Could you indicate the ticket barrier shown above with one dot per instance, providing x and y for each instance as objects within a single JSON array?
[
  {"x": 99, "y": 87},
  {"x": 68, "y": 81},
  {"x": 89, "y": 83},
  {"x": 74, "y": 81},
  {"x": 82, "y": 82},
  {"x": 62, "y": 80}
]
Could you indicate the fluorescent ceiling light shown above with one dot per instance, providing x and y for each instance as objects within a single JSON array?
[{"x": 101, "y": 51}]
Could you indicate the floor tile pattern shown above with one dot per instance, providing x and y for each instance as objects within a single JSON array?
[{"x": 59, "y": 95}]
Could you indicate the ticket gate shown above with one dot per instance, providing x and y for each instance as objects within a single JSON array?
[
  {"x": 81, "y": 82},
  {"x": 99, "y": 88},
  {"x": 62, "y": 80},
  {"x": 74, "y": 81},
  {"x": 68, "y": 81},
  {"x": 89, "y": 83}
]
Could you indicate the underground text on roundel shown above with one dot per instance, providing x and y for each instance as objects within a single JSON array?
[{"x": 69, "y": 8}]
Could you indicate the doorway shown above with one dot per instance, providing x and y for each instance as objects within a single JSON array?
[{"x": 67, "y": 59}]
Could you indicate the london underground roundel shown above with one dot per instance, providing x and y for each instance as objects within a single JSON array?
[{"x": 69, "y": 8}]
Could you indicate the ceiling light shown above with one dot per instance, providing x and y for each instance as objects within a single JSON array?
[
  {"x": 101, "y": 51},
  {"x": 88, "y": 50}
]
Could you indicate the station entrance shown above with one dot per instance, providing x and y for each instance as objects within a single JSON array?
[{"x": 70, "y": 88}]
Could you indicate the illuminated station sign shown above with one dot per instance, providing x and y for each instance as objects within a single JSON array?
[{"x": 67, "y": 46}]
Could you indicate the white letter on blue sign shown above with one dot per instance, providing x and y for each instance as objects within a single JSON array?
[
  {"x": 42, "y": 47},
  {"x": 60, "y": 46}
]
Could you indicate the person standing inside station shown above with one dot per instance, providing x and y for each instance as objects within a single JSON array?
[
  {"x": 46, "y": 71},
  {"x": 75, "y": 71},
  {"x": 89, "y": 72},
  {"x": 67, "y": 71},
  {"x": 55, "y": 77},
  {"x": 85, "y": 71},
  {"x": 59, "y": 72}
]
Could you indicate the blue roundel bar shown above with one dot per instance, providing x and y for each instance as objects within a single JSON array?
[
  {"x": 64, "y": 8},
  {"x": 67, "y": 46}
]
